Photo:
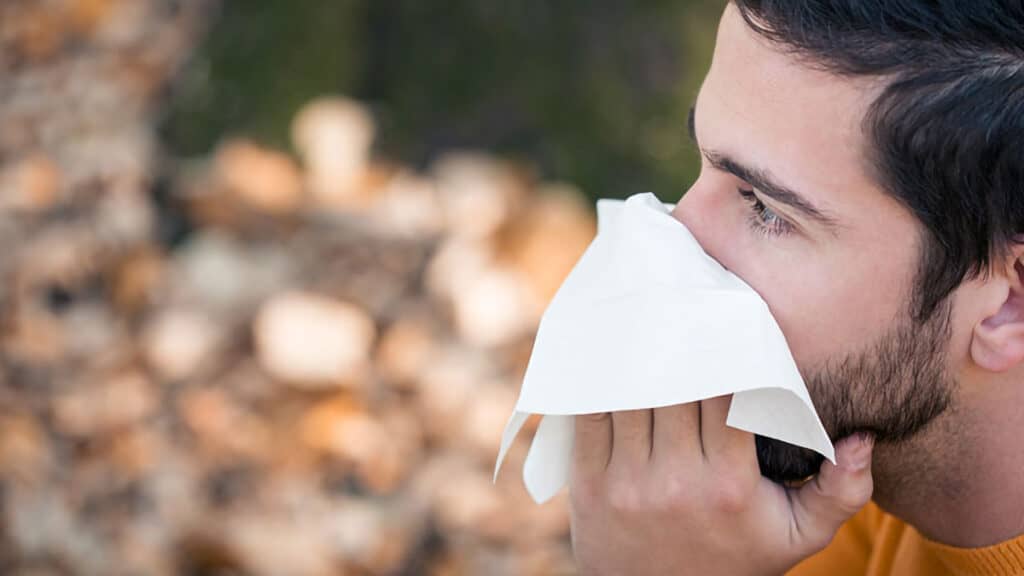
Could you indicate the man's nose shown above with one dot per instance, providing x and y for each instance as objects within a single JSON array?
[{"x": 696, "y": 210}]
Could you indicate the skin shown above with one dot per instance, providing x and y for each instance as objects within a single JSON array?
[{"x": 673, "y": 490}]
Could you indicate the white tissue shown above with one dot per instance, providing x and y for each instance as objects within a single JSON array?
[{"x": 647, "y": 319}]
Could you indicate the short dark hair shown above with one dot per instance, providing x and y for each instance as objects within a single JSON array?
[{"x": 946, "y": 134}]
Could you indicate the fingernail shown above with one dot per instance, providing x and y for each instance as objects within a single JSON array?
[{"x": 859, "y": 455}]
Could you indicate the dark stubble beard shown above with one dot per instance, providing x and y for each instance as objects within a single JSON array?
[{"x": 893, "y": 390}]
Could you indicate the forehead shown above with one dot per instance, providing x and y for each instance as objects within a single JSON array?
[{"x": 771, "y": 110}]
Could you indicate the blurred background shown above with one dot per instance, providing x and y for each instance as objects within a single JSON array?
[{"x": 271, "y": 270}]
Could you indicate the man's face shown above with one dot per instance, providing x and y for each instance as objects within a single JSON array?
[{"x": 785, "y": 200}]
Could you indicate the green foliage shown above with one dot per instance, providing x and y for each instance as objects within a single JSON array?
[
  {"x": 261, "y": 61},
  {"x": 595, "y": 92}
]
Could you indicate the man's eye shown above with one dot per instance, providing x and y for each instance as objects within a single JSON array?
[{"x": 763, "y": 219}]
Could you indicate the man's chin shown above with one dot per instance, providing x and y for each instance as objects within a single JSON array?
[{"x": 785, "y": 463}]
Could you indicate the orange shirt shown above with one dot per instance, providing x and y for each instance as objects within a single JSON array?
[{"x": 873, "y": 543}]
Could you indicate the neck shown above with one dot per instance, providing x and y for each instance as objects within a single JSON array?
[{"x": 959, "y": 481}]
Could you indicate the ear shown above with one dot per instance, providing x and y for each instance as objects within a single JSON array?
[{"x": 997, "y": 343}]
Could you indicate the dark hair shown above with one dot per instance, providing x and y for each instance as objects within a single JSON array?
[{"x": 947, "y": 132}]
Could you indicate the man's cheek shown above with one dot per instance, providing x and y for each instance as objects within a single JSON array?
[
  {"x": 792, "y": 284},
  {"x": 808, "y": 328}
]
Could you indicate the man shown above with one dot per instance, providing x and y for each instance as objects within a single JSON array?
[{"x": 863, "y": 170}]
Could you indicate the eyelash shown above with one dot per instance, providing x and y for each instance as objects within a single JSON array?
[{"x": 763, "y": 219}]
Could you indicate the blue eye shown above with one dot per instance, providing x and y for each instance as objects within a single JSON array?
[{"x": 763, "y": 219}]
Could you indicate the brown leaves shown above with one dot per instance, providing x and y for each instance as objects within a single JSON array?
[{"x": 311, "y": 379}]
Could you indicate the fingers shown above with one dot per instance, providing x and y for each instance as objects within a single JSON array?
[
  {"x": 676, "y": 432},
  {"x": 592, "y": 445},
  {"x": 836, "y": 493},
  {"x": 631, "y": 438},
  {"x": 723, "y": 444}
]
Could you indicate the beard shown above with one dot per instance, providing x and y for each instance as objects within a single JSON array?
[{"x": 892, "y": 389}]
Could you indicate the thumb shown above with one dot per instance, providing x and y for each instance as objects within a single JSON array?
[{"x": 835, "y": 494}]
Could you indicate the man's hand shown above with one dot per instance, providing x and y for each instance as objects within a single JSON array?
[{"x": 674, "y": 491}]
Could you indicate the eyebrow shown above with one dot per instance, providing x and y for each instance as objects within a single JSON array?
[{"x": 762, "y": 180}]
